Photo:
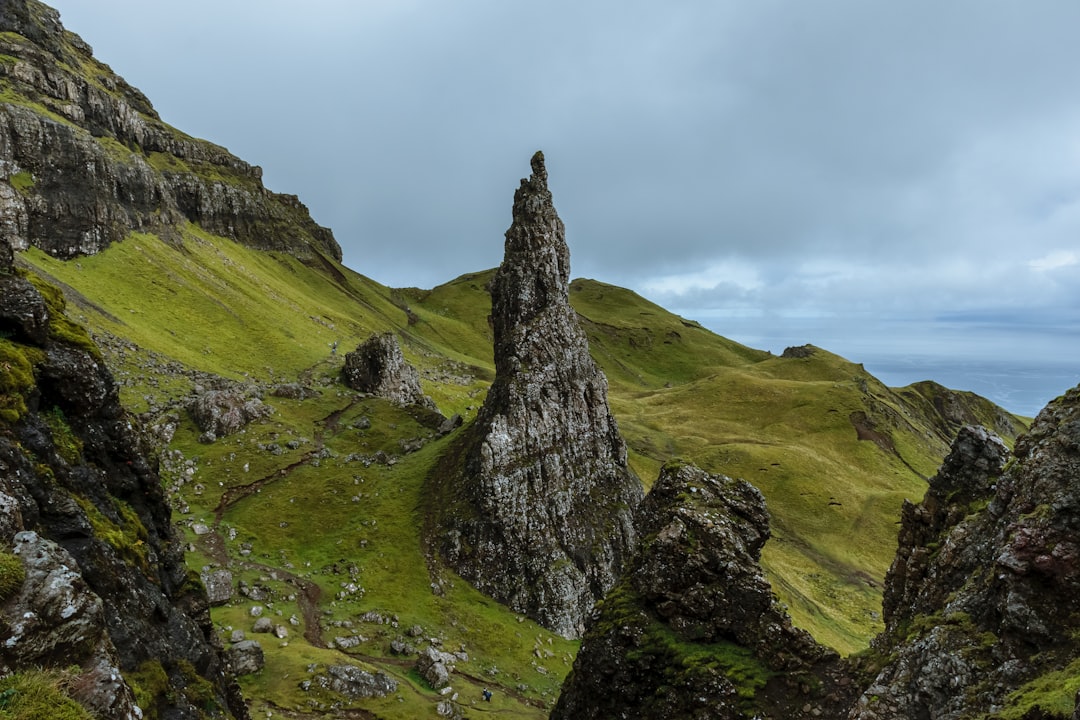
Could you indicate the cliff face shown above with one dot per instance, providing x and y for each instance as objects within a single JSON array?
[
  {"x": 538, "y": 497},
  {"x": 91, "y": 573},
  {"x": 983, "y": 599},
  {"x": 85, "y": 159},
  {"x": 693, "y": 629}
]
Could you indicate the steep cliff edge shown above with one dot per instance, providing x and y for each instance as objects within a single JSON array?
[
  {"x": 535, "y": 503},
  {"x": 85, "y": 159},
  {"x": 93, "y": 582},
  {"x": 982, "y": 605}
]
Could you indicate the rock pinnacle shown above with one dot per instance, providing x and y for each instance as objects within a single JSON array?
[{"x": 543, "y": 497}]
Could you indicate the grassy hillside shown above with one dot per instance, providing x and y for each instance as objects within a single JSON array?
[{"x": 319, "y": 503}]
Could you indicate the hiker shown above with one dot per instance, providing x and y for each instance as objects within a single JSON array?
[{"x": 487, "y": 695}]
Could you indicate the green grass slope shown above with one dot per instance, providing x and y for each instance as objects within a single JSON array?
[{"x": 321, "y": 503}]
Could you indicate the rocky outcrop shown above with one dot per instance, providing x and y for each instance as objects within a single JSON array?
[
  {"x": 102, "y": 585},
  {"x": 693, "y": 629},
  {"x": 377, "y": 366},
  {"x": 983, "y": 599},
  {"x": 85, "y": 159},
  {"x": 534, "y": 504},
  {"x": 222, "y": 411}
]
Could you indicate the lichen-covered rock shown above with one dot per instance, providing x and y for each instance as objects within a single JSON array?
[
  {"x": 984, "y": 595},
  {"x": 221, "y": 412},
  {"x": 355, "y": 682},
  {"x": 98, "y": 162},
  {"x": 219, "y": 585},
  {"x": 245, "y": 657},
  {"x": 56, "y": 620},
  {"x": 536, "y": 498},
  {"x": 377, "y": 366},
  {"x": 693, "y": 629},
  {"x": 107, "y": 589}
]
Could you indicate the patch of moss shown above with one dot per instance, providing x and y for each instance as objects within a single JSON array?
[
  {"x": 67, "y": 444},
  {"x": 682, "y": 661},
  {"x": 23, "y": 182},
  {"x": 151, "y": 686},
  {"x": 128, "y": 538},
  {"x": 12, "y": 574},
  {"x": 38, "y": 694},
  {"x": 199, "y": 691},
  {"x": 1053, "y": 692},
  {"x": 61, "y": 328},
  {"x": 17, "y": 363}
]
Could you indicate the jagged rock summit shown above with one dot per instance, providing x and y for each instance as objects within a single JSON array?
[
  {"x": 85, "y": 159},
  {"x": 693, "y": 629},
  {"x": 982, "y": 604},
  {"x": 537, "y": 499}
]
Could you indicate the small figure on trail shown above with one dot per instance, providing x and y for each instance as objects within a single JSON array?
[
  {"x": 333, "y": 347},
  {"x": 487, "y": 695}
]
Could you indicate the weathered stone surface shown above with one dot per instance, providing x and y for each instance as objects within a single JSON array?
[
  {"x": 984, "y": 595},
  {"x": 23, "y": 315},
  {"x": 219, "y": 586},
  {"x": 377, "y": 366},
  {"x": 435, "y": 666},
  {"x": 538, "y": 495},
  {"x": 355, "y": 682},
  {"x": 245, "y": 657},
  {"x": 56, "y": 620},
  {"x": 221, "y": 412},
  {"x": 695, "y": 591},
  {"x": 102, "y": 163}
]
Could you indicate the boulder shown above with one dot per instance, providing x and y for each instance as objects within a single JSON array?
[
  {"x": 245, "y": 657},
  {"x": 377, "y": 366}
]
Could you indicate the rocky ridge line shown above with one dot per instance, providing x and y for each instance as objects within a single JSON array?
[{"x": 85, "y": 159}]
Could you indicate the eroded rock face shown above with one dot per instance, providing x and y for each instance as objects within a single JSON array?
[
  {"x": 377, "y": 366},
  {"x": 694, "y": 599},
  {"x": 984, "y": 595},
  {"x": 538, "y": 496},
  {"x": 106, "y": 588},
  {"x": 102, "y": 164}
]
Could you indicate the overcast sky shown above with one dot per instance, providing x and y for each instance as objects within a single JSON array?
[{"x": 889, "y": 180}]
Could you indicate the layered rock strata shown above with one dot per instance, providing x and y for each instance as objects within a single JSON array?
[
  {"x": 693, "y": 630},
  {"x": 536, "y": 501},
  {"x": 92, "y": 575},
  {"x": 85, "y": 160}
]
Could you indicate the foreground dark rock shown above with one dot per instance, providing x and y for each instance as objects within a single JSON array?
[
  {"x": 693, "y": 629},
  {"x": 84, "y": 162},
  {"x": 94, "y": 581},
  {"x": 535, "y": 503},
  {"x": 983, "y": 599}
]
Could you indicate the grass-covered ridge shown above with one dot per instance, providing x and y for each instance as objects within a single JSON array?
[{"x": 834, "y": 451}]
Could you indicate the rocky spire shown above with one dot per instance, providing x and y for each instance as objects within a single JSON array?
[{"x": 538, "y": 510}]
